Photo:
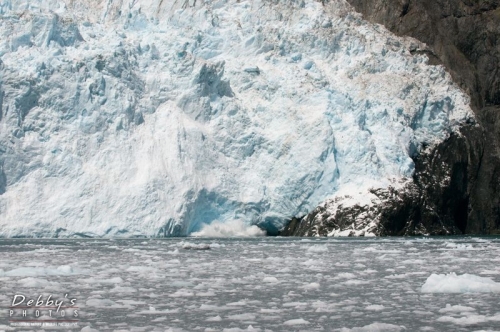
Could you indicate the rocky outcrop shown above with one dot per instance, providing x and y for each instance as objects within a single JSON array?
[
  {"x": 462, "y": 34},
  {"x": 456, "y": 185},
  {"x": 435, "y": 202}
]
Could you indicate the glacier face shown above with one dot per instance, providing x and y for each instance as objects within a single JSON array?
[{"x": 158, "y": 117}]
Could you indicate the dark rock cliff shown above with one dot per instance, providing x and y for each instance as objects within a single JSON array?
[{"x": 456, "y": 185}]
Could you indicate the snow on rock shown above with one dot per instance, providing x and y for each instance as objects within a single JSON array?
[
  {"x": 465, "y": 283},
  {"x": 159, "y": 117}
]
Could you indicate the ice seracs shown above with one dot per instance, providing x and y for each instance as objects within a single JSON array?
[{"x": 159, "y": 117}]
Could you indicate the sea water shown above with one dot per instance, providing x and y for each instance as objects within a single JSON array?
[{"x": 255, "y": 284}]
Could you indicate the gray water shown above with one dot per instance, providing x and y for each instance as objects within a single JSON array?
[{"x": 257, "y": 284}]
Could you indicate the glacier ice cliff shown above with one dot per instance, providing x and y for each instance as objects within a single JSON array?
[{"x": 158, "y": 117}]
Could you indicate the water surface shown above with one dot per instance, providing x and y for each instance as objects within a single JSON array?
[{"x": 266, "y": 284}]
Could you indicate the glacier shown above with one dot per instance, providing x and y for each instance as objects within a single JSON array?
[{"x": 159, "y": 117}]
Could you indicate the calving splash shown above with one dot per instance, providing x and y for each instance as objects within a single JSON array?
[
  {"x": 159, "y": 117},
  {"x": 236, "y": 228}
]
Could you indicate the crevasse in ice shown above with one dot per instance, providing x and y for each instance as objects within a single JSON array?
[{"x": 157, "y": 117}]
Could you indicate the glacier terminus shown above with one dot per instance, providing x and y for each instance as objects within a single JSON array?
[{"x": 171, "y": 118}]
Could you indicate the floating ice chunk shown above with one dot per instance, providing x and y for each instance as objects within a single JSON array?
[
  {"x": 369, "y": 271},
  {"x": 375, "y": 307},
  {"x": 214, "y": 319},
  {"x": 458, "y": 246},
  {"x": 317, "y": 248},
  {"x": 205, "y": 294},
  {"x": 312, "y": 263},
  {"x": 294, "y": 304},
  {"x": 88, "y": 329},
  {"x": 44, "y": 250},
  {"x": 122, "y": 290},
  {"x": 216, "y": 245},
  {"x": 236, "y": 329},
  {"x": 414, "y": 261},
  {"x": 115, "y": 280},
  {"x": 466, "y": 283},
  {"x": 181, "y": 283},
  {"x": 39, "y": 271},
  {"x": 270, "y": 279},
  {"x": 196, "y": 246},
  {"x": 356, "y": 282},
  {"x": 298, "y": 321},
  {"x": 270, "y": 311},
  {"x": 311, "y": 286},
  {"x": 144, "y": 269},
  {"x": 239, "y": 303},
  {"x": 159, "y": 319},
  {"x": 36, "y": 282},
  {"x": 131, "y": 302},
  {"x": 490, "y": 272},
  {"x": 375, "y": 327},
  {"x": 174, "y": 252},
  {"x": 382, "y": 251},
  {"x": 211, "y": 307},
  {"x": 153, "y": 311},
  {"x": 245, "y": 316},
  {"x": 345, "y": 275},
  {"x": 129, "y": 249},
  {"x": 456, "y": 308},
  {"x": 469, "y": 319},
  {"x": 101, "y": 303},
  {"x": 182, "y": 293}
]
